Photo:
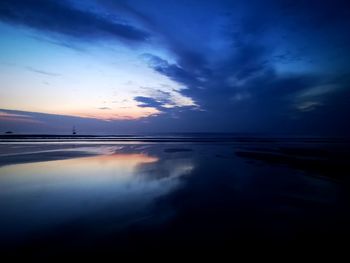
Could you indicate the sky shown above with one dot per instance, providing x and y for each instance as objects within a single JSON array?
[{"x": 153, "y": 66}]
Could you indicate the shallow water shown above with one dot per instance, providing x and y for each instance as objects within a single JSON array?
[{"x": 136, "y": 196}]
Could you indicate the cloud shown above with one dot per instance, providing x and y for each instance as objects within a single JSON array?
[
  {"x": 35, "y": 122},
  {"x": 248, "y": 65},
  {"x": 318, "y": 91},
  {"x": 43, "y": 72},
  {"x": 244, "y": 93},
  {"x": 245, "y": 89},
  {"x": 149, "y": 102},
  {"x": 308, "y": 105},
  {"x": 165, "y": 101},
  {"x": 60, "y": 17},
  {"x": 4, "y": 114},
  {"x": 173, "y": 71},
  {"x": 104, "y": 108},
  {"x": 8, "y": 116}
]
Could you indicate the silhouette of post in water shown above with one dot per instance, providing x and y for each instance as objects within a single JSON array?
[{"x": 74, "y": 132}]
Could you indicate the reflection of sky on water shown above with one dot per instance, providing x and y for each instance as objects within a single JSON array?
[
  {"x": 41, "y": 195},
  {"x": 144, "y": 196}
]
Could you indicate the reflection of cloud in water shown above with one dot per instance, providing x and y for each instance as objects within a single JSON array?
[
  {"x": 120, "y": 187},
  {"x": 169, "y": 168}
]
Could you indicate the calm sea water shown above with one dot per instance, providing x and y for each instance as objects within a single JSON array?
[{"x": 136, "y": 196}]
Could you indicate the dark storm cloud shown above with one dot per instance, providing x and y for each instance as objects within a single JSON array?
[
  {"x": 172, "y": 71},
  {"x": 61, "y": 17},
  {"x": 160, "y": 22},
  {"x": 246, "y": 90}
]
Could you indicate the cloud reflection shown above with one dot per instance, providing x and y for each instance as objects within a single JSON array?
[{"x": 119, "y": 187}]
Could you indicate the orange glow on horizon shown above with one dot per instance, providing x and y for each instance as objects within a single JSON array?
[{"x": 127, "y": 113}]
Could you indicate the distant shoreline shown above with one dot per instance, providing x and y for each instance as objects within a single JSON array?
[{"x": 201, "y": 138}]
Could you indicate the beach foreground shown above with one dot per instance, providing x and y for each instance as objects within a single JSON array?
[{"x": 116, "y": 197}]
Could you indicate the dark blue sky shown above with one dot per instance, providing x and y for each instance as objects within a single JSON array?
[{"x": 175, "y": 66}]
